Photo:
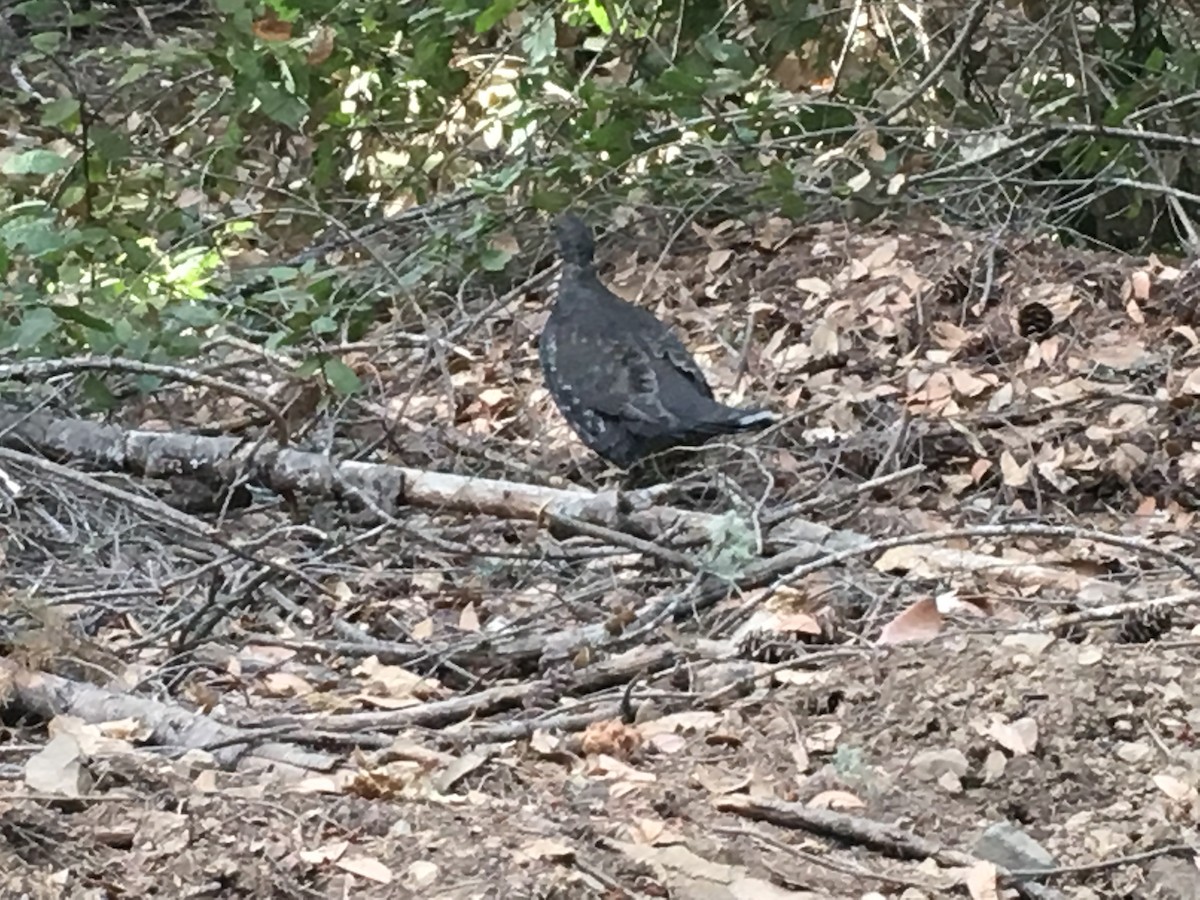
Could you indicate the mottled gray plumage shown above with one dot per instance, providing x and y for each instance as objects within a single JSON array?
[{"x": 621, "y": 378}]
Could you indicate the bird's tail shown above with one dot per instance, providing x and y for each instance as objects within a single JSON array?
[{"x": 730, "y": 419}]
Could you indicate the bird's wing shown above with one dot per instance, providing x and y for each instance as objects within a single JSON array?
[
  {"x": 659, "y": 342},
  {"x": 672, "y": 350}
]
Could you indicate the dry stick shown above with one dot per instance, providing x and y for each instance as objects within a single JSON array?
[
  {"x": 1111, "y": 611},
  {"x": 170, "y": 725},
  {"x": 893, "y": 841},
  {"x": 851, "y": 31},
  {"x": 155, "y": 509},
  {"x": 986, "y": 531},
  {"x": 1114, "y": 863},
  {"x": 818, "y": 860},
  {"x": 621, "y": 539},
  {"x": 284, "y": 469},
  {"x": 1192, "y": 239},
  {"x": 974, "y": 16},
  {"x": 434, "y": 714},
  {"x": 284, "y": 466},
  {"x": 37, "y": 368},
  {"x": 565, "y": 721},
  {"x": 775, "y": 516}
]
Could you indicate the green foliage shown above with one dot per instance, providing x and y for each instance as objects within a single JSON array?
[{"x": 158, "y": 195}]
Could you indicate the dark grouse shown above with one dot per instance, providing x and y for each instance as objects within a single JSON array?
[{"x": 620, "y": 377}]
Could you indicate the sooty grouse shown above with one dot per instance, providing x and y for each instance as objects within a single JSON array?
[{"x": 621, "y": 378}]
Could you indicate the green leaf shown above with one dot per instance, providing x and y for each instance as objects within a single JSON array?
[
  {"x": 1108, "y": 39},
  {"x": 492, "y": 16},
  {"x": 35, "y": 325},
  {"x": 323, "y": 325},
  {"x": 539, "y": 41},
  {"x": 71, "y": 195},
  {"x": 38, "y": 236},
  {"x": 196, "y": 315},
  {"x": 110, "y": 144},
  {"x": 97, "y": 391},
  {"x": 34, "y": 162},
  {"x": 281, "y": 106},
  {"x": 599, "y": 15},
  {"x": 551, "y": 200},
  {"x": 494, "y": 260},
  {"x": 47, "y": 42},
  {"x": 341, "y": 377},
  {"x": 306, "y": 369},
  {"x": 79, "y": 317},
  {"x": 56, "y": 112},
  {"x": 136, "y": 72}
]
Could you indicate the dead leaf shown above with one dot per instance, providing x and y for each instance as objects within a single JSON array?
[
  {"x": 717, "y": 260},
  {"x": 547, "y": 848},
  {"x": 920, "y": 622},
  {"x": 883, "y": 254},
  {"x": 934, "y": 396},
  {"x": 1019, "y": 738},
  {"x": 322, "y": 46},
  {"x": 718, "y": 781},
  {"x": 612, "y": 737},
  {"x": 818, "y": 287},
  {"x": 395, "y": 681},
  {"x": 325, "y": 853},
  {"x": 271, "y": 28},
  {"x": 468, "y": 619},
  {"x": 1175, "y": 788},
  {"x": 366, "y": 867},
  {"x": 836, "y": 800},
  {"x": 857, "y": 182},
  {"x": 1015, "y": 474},
  {"x": 824, "y": 341},
  {"x": 1140, "y": 284},
  {"x": 58, "y": 769},
  {"x": 980, "y": 881},
  {"x": 421, "y": 874},
  {"x": 285, "y": 684},
  {"x": 423, "y": 630},
  {"x": 544, "y": 742},
  {"x": 800, "y": 758},
  {"x": 1121, "y": 355},
  {"x": 790, "y": 73},
  {"x": 1191, "y": 383},
  {"x": 494, "y": 397}
]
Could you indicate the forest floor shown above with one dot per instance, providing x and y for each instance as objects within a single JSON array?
[{"x": 824, "y": 695}]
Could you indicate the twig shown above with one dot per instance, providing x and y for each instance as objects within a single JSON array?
[
  {"x": 41, "y": 368},
  {"x": 974, "y": 16}
]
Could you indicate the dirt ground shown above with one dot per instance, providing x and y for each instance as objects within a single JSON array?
[{"x": 468, "y": 706}]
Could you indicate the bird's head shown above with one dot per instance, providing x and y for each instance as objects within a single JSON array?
[{"x": 575, "y": 244}]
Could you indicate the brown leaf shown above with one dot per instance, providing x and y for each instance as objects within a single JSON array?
[
  {"x": 270, "y": 28},
  {"x": 919, "y": 623},
  {"x": 717, "y": 260},
  {"x": 365, "y": 867},
  {"x": 1015, "y": 474},
  {"x": 322, "y": 46}
]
